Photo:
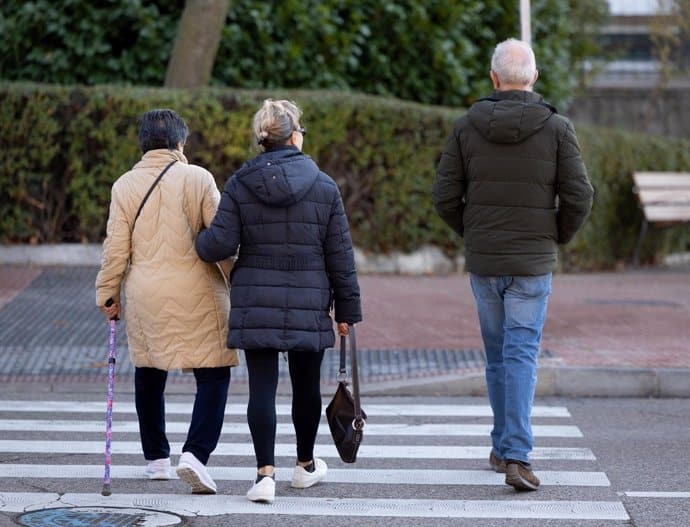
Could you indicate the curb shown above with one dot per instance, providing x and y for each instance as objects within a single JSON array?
[{"x": 565, "y": 381}]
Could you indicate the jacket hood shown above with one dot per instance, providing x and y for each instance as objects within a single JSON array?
[
  {"x": 510, "y": 116},
  {"x": 279, "y": 178}
]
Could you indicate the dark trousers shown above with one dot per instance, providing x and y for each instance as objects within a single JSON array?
[
  {"x": 207, "y": 416},
  {"x": 305, "y": 376}
]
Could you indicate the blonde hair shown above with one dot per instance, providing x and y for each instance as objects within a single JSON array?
[
  {"x": 275, "y": 121},
  {"x": 513, "y": 62}
]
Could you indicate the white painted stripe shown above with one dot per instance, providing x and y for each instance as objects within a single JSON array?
[
  {"x": 398, "y": 410},
  {"x": 642, "y": 494},
  {"x": 176, "y": 427},
  {"x": 246, "y": 449},
  {"x": 22, "y": 501},
  {"x": 186, "y": 505},
  {"x": 362, "y": 476}
]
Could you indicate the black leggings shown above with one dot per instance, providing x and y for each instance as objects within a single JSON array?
[{"x": 305, "y": 375}]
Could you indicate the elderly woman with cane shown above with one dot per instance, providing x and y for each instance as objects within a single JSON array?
[
  {"x": 295, "y": 262},
  {"x": 176, "y": 304}
]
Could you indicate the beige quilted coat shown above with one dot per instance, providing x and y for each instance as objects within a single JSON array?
[{"x": 176, "y": 305}]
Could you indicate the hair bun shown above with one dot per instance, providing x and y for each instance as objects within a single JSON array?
[{"x": 274, "y": 123}]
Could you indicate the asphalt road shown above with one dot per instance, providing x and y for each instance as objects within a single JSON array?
[{"x": 607, "y": 458}]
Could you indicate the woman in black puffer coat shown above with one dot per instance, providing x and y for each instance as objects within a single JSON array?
[{"x": 295, "y": 263}]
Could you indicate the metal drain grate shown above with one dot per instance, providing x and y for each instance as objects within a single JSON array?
[{"x": 97, "y": 517}]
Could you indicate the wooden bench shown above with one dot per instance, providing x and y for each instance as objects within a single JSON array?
[{"x": 665, "y": 201}]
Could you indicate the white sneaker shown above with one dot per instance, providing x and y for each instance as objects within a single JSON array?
[
  {"x": 193, "y": 472},
  {"x": 264, "y": 490},
  {"x": 158, "y": 469},
  {"x": 303, "y": 479}
]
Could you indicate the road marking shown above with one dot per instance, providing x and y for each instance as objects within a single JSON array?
[
  {"x": 363, "y": 476},
  {"x": 282, "y": 449},
  {"x": 399, "y": 508},
  {"x": 643, "y": 494},
  {"x": 303, "y": 504},
  {"x": 397, "y": 410},
  {"x": 177, "y": 427}
]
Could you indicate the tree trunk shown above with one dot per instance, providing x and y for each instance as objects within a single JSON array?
[{"x": 196, "y": 44}]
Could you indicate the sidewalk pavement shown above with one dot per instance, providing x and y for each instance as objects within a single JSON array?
[{"x": 607, "y": 334}]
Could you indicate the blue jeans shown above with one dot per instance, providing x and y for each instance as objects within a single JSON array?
[
  {"x": 512, "y": 312},
  {"x": 207, "y": 415}
]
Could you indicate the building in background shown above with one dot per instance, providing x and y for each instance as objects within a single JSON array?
[{"x": 642, "y": 80}]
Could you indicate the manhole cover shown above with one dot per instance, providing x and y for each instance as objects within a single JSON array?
[{"x": 97, "y": 517}]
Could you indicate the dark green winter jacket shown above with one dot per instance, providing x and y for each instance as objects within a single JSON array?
[{"x": 511, "y": 182}]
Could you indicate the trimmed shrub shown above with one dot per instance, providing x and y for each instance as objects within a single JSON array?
[
  {"x": 63, "y": 147},
  {"x": 428, "y": 51}
]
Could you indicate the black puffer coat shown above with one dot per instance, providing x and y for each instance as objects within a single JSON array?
[
  {"x": 512, "y": 182},
  {"x": 295, "y": 254}
]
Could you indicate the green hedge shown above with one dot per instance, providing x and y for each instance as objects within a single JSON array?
[
  {"x": 428, "y": 51},
  {"x": 64, "y": 146}
]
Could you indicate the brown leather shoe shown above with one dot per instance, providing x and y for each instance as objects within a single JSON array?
[
  {"x": 520, "y": 477},
  {"x": 496, "y": 463}
]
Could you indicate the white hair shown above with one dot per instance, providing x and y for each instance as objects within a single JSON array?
[{"x": 513, "y": 62}]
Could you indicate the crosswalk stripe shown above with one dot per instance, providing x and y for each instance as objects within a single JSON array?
[
  {"x": 395, "y": 410},
  {"x": 642, "y": 494},
  {"x": 362, "y": 507},
  {"x": 406, "y": 475},
  {"x": 246, "y": 449},
  {"x": 176, "y": 427},
  {"x": 361, "y": 476}
]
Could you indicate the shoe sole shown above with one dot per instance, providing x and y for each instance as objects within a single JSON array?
[
  {"x": 302, "y": 485},
  {"x": 519, "y": 483},
  {"x": 160, "y": 476},
  {"x": 308, "y": 483},
  {"x": 262, "y": 495},
  {"x": 261, "y": 499},
  {"x": 313, "y": 480},
  {"x": 190, "y": 476}
]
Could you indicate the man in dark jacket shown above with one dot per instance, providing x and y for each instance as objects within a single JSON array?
[{"x": 511, "y": 182}]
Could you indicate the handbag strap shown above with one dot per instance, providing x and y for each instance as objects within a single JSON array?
[
  {"x": 358, "y": 423},
  {"x": 146, "y": 197}
]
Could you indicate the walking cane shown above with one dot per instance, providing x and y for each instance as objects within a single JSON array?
[{"x": 109, "y": 410}]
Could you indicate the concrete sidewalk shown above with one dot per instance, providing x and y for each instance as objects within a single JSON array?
[{"x": 609, "y": 334}]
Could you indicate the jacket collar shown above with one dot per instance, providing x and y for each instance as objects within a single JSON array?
[{"x": 160, "y": 157}]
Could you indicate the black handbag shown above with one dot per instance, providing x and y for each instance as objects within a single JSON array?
[{"x": 345, "y": 416}]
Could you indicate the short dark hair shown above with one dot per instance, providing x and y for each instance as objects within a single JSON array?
[{"x": 161, "y": 128}]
